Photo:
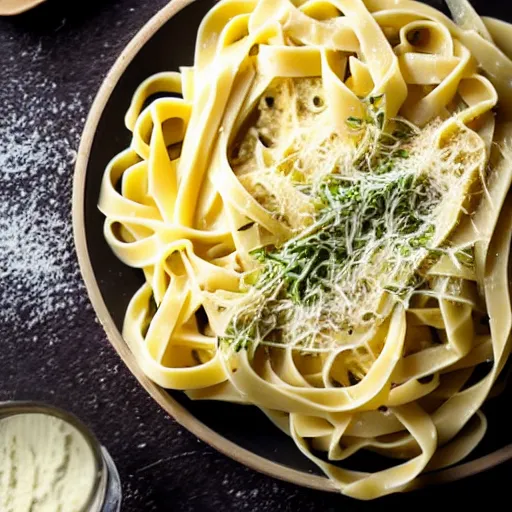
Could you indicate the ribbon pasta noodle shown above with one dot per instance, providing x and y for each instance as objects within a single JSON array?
[{"x": 320, "y": 208}]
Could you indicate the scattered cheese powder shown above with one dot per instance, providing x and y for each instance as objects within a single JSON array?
[
  {"x": 39, "y": 277},
  {"x": 46, "y": 465}
]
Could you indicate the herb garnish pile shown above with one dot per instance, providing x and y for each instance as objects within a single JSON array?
[{"x": 365, "y": 246}]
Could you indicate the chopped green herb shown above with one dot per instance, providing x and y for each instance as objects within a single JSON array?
[
  {"x": 354, "y": 122},
  {"x": 376, "y": 100},
  {"x": 372, "y": 230},
  {"x": 381, "y": 119}
]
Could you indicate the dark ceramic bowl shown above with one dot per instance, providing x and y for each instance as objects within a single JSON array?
[{"x": 240, "y": 432}]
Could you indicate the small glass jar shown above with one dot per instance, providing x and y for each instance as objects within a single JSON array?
[{"x": 105, "y": 494}]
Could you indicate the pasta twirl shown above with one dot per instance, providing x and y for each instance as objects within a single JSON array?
[{"x": 320, "y": 206}]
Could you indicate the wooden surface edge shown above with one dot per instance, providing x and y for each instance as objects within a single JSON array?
[{"x": 13, "y": 7}]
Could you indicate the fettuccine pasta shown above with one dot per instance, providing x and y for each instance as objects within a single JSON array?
[{"x": 320, "y": 207}]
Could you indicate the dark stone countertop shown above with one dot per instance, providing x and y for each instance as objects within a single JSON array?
[{"x": 52, "y": 61}]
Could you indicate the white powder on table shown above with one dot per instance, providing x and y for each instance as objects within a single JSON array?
[{"x": 39, "y": 276}]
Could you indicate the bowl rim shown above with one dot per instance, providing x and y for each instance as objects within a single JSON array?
[{"x": 180, "y": 414}]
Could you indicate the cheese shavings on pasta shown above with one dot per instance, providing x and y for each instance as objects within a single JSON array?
[{"x": 320, "y": 207}]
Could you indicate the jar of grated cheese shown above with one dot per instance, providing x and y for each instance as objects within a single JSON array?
[{"x": 49, "y": 460}]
